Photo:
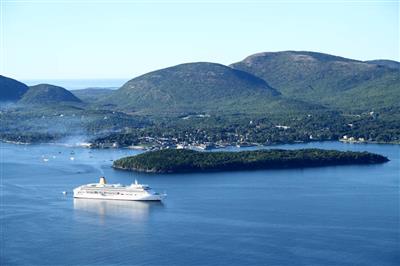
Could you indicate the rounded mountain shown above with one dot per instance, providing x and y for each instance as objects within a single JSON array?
[
  {"x": 48, "y": 94},
  {"x": 191, "y": 87}
]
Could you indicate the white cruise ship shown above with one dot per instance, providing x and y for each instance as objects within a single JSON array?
[{"x": 102, "y": 190}]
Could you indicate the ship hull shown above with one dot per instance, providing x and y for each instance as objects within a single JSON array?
[{"x": 127, "y": 198}]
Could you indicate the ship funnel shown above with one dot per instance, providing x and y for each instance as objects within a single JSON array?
[{"x": 102, "y": 180}]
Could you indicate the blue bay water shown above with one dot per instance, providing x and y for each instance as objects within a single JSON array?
[{"x": 347, "y": 215}]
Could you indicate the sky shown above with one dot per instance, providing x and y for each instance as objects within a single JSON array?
[{"x": 96, "y": 39}]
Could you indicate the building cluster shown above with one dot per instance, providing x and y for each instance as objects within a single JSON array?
[
  {"x": 157, "y": 143},
  {"x": 350, "y": 139}
]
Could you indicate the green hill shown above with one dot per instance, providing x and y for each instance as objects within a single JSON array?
[
  {"x": 326, "y": 79},
  {"x": 193, "y": 87},
  {"x": 11, "y": 89},
  {"x": 48, "y": 94}
]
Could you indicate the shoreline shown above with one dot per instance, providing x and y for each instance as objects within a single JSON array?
[{"x": 218, "y": 148}]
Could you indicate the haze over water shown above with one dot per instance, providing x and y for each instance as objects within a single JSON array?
[
  {"x": 345, "y": 215},
  {"x": 79, "y": 84}
]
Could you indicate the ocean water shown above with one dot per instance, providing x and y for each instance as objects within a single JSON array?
[{"x": 347, "y": 215}]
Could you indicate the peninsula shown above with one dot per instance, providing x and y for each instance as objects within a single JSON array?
[{"x": 180, "y": 161}]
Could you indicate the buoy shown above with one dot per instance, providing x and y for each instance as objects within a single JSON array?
[{"x": 64, "y": 192}]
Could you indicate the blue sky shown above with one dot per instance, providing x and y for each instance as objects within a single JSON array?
[{"x": 123, "y": 39}]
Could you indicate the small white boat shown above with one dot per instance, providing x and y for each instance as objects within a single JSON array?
[{"x": 102, "y": 190}]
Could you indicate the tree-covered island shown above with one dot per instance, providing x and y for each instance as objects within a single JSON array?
[{"x": 179, "y": 161}]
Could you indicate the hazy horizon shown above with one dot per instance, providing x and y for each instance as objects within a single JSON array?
[
  {"x": 78, "y": 84},
  {"x": 33, "y": 81}
]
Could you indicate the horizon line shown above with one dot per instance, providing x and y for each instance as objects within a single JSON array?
[{"x": 158, "y": 68}]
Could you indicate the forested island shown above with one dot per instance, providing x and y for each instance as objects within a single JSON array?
[{"x": 182, "y": 161}]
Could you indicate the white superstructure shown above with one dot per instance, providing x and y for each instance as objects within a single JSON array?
[{"x": 102, "y": 190}]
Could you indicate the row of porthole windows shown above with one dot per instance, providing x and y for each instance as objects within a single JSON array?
[{"x": 108, "y": 193}]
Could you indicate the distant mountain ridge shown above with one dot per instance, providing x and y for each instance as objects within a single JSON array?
[
  {"x": 261, "y": 83},
  {"x": 326, "y": 79},
  {"x": 48, "y": 94}
]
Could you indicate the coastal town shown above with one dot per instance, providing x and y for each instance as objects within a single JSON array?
[{"x": 152, "y": 143}]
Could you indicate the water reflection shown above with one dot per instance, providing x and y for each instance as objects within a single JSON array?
[{"x": 134, "y": 210}]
